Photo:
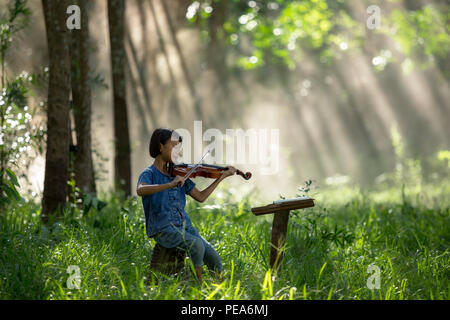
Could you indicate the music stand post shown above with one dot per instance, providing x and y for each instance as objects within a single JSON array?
[{"x": 279, "y": 226}]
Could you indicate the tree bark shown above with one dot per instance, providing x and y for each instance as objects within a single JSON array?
[
  {"x": 57, "y": 155},
  {"x": 217, "y": 46},
  {"x": 81, "y": 95},
  {"x": 184, "y": 66},
  {"x": 217, "y": 62},
  {"x": 116, "y": 18}
]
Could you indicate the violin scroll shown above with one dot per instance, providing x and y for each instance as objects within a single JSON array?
[{"x": 246, "y": 175}]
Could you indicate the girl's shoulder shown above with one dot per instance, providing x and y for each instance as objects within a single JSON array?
[
  {"x": 147, "y": 174},
  {"x": 148, "y": 170},
  {"x": 152, "y": 173}
]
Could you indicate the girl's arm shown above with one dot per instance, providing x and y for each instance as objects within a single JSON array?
[
  {"x": 201, "y": 196},
  {"x": 149, "y": 189}
]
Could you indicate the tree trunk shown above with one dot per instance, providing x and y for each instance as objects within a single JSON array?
[
  {"x": 184, "y": 66},
  {"x": 116, "y": 18},
  {"x": 217, "y": 53},
  {"x": 81, "y": 95},
  {"x": 57, "y": 155},
  {"x": 217, "y": 46}
]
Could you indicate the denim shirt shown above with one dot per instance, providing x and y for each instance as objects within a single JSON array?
[{"x": 166, "y": 207}]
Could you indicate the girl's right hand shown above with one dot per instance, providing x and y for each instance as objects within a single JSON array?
[{"x": 177, "y": 180}]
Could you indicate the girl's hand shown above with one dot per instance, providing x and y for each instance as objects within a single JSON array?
[
  {"x": 231, "y": 171},
  {"x": 177, "y": 180}
]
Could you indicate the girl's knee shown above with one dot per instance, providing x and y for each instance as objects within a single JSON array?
[
  {"x": 212, "y": 259},
  {"x": 198, "y": 247}
]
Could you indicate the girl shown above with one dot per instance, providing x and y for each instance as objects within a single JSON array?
[{"x": 164, "y": 198}]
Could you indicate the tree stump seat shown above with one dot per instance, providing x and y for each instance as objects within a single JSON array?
[{"x": 167, "y": 260}]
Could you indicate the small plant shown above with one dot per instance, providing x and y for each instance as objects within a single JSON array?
[
  {"x": 306, "y": 188},
  {"x": 407, "y": 171},
  {"x": 8, "y": 191},
  {"x": 338, "y": 236},
  {"x": 19, "y": 136},
  {"x": 90, "y": 200},
  {"x": 444, "y": 155}
]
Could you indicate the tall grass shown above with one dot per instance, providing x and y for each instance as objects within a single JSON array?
[{"x": 328, "y": 252}]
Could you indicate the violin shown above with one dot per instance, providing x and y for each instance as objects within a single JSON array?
[{"x": 202, "y": 170}]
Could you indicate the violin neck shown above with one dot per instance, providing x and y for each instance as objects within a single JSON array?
[
  {"x": 246, "y": 176},
  {"x": 213, "y": 166}
]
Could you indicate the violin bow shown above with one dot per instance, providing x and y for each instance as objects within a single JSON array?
[{"x": 192, "y": 170}]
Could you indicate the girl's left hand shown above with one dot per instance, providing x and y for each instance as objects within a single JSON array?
[{"x": 231, "y": 171}]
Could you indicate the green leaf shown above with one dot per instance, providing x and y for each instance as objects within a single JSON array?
[
  {"x": 101, "y": 205},
  {"x": 4, "y": 200},
  {"x": 12, "y": 177},
  {"x": 95, "y": 203},
  {"x": 87, "y": 203},
  {"x": 10, "y": 191},
  {"x": 14, "y": 191}
]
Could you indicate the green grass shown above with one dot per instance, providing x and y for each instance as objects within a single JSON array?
[{"x": 329, "y": 249}]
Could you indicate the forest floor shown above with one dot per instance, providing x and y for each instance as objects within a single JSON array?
[{"x": 335, "y": 250}]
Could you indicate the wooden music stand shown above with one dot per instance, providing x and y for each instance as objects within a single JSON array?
[{"x": 279, "y": 226}]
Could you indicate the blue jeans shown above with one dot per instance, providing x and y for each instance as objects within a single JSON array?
[{"x": 188, "y": 239}]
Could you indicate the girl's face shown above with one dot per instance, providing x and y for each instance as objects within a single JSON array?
[{"x": 171, "y": 149}]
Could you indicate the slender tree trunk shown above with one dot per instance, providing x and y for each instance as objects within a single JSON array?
[
  {"x": 57, "y": 155},
  {"x": 188, "y": 78},
  {"x": 116, "y": 18},
  {"x": 174, "y": 102},
  {"x": 217, "y": 47},
  {"x": 217, "y": 53},
  {"x": 81, "y": 95}
]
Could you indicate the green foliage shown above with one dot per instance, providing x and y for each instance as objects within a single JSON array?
[
  {"x": 407, "y": 173},
  {"x": 90, "y": 200},
  {"x": 280, "y": 32},
  {"x": 8, "y": 191},
  {"x": 444, "y": 155},
  {"x": 329, "y": 248},
  {"x": 260, "y": 34},
  {"x": 423, "y": 35},
  {"x": 11, "y": 24},
  {"x": 79, "y": 200},
  {"x": 19, "y": 136},
  {"x": 425, "y": 30},
  {"x": 18, "y": 130}
]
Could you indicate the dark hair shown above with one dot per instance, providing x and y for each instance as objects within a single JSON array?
[{"x": 160, "y": 136}]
